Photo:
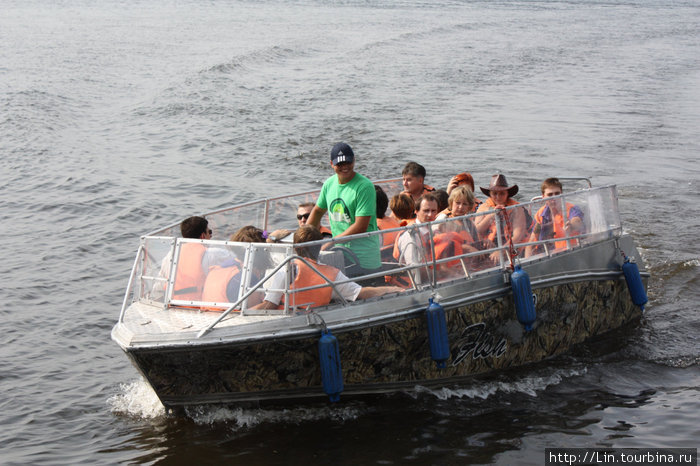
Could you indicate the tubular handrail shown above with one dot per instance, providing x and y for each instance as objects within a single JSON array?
[
  {"x": 266, "y": 278},
  {"x": 264, "y": 202},
  {"x": 604, "y": 223},
  {"x": 130, "y": 285}
]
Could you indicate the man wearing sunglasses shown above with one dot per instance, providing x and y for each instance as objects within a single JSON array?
[
  {"x": 303, "y": 214},
  {"x": 351, "y": 202}
]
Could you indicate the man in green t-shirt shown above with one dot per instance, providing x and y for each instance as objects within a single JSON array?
[{"x": 351, "y": 203}]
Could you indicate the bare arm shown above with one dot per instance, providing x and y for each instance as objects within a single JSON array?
[
  {"x": 373, "y": 291},
  {"x": 452, "y": 184},
  {"x": 574, "y": 226},
  {"x": 483, "y": 224},
  {"x": 265, "y": 305},
  {"x": 316, "y": 215}
]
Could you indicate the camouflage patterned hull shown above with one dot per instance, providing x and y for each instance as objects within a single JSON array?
[{"x": 484, "y": 336}]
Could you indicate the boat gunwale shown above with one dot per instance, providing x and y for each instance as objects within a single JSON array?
[{"x": 416, "y": 299}]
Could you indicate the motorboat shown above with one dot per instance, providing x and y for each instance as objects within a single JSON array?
[{"x": 458, "y": 314}]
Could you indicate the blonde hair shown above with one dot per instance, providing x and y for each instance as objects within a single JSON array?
[{"x": 461, "y": 192}]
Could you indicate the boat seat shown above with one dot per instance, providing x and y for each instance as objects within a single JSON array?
[{"x": 334, "y": 258}]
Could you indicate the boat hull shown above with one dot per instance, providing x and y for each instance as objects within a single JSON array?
[{"x": 484, "y": 336}]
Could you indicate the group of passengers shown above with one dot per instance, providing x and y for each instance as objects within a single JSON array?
[{"x": 354, "y": 205}]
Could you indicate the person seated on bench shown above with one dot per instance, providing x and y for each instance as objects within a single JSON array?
[
  {"x": 513, "y": 226},
  {"x": 223, "y": 281},
  {"x": 303, "y": 212},
  {"x": 413, "y": 176},
  {"x": 461, "y": 203},
  {"x": 549, "y": 222},
  {"x": 403, "y": 209},
  {"x": 463, "y": 179},
  {"x": 303, "y": 276}
]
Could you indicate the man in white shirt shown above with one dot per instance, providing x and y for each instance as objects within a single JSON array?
[{"x": 410, "y": 245}]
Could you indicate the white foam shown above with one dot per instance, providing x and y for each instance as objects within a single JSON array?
[
  {"x": 243, "y": 418},
  {"x": 136, "y": 399},
  {"x": 529, "y": 385},
  {"x": 692, "y": 263}
]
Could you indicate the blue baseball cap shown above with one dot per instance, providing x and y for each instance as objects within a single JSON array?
[{"x": 341, "y": 152}]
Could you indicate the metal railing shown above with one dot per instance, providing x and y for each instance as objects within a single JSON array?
[{"x": 429, "y": 265}]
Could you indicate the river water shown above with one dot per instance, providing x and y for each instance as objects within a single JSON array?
[{"x": 118, "y": 117}]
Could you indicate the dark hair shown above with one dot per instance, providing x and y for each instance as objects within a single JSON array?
[
  {"x": 382, "y": 201},
  {"x": 426, "y": 197},
  {"x": 251, "y": 234},
  {"x": 193, "y": 227},
  {"x": 248, "y": 234},
  {"x": 305, "y": 234},
  {"x": 551, "y": 183},
  {"x": 402, "y": 206},
  {"x": 414, "y": 169},
  {"x": 442, "y": 196}
]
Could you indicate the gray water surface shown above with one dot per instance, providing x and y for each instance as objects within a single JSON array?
[{"x": 118, "y": 117}]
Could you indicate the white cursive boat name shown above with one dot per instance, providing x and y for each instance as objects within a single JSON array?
[{"x": 476, "y": 340}]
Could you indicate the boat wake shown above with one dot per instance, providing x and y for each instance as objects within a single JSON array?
[
  {"x": 247, "y": 418},
  {"x": 136, "y": 399},
  {"x": 528, "y": 385}
]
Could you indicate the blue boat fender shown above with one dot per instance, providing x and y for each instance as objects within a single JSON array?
[
  {"x": 634, "y": 283},
  {"x": 437, "y": 333},
  {"x": 331, "y": 373},
  {"x": 523, "y": 297}
]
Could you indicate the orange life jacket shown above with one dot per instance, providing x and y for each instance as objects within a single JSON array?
[
  {"x": 306, "y": 277},
  {"x": 557, "y": 224},
  {"x": 189, "y": 278},
  {"x": 388, "y": 223},
  {"x": 447, "y": 244},
  {"x": 491, "y": 235},
  {"x": 216, "y": 283},
  {"x": 326, "y": 231},
  {"x": 465, "y": 236}
]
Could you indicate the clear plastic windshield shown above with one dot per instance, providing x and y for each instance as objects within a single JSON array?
[{"x": 281, "y": 278}]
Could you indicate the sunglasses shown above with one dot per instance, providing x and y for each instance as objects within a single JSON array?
[
  {"x": 304, "y": 216},
  {"x": 210, "y": 231}
]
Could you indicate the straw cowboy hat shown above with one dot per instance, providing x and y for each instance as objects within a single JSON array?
[{"x": 499, "y": 183}]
